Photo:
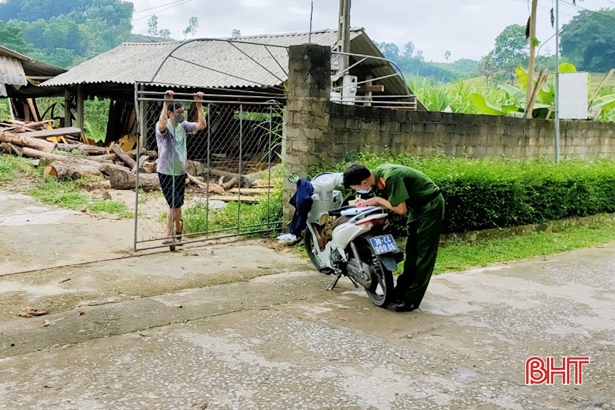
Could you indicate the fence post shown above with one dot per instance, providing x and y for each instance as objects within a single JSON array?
[{"x": 307, "y": 112}]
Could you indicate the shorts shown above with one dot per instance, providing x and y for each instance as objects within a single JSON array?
[{"x": 173, "y": 188}]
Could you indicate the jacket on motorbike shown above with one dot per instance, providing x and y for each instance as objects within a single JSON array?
[{"x": 302, "y": 201}]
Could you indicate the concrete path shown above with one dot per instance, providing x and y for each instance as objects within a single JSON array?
[{"x": 257, "y": 330}]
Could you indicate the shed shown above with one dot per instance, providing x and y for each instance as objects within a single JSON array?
[
  {"x": 242, "y": 67},
  {"x": 19, "y": 77},
  {"x": 248, "y": 62}
]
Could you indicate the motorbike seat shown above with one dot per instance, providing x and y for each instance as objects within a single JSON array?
[{"x": 338, "y": 211}]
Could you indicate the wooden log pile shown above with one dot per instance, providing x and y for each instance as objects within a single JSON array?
[{"x": 63, "y": 155}]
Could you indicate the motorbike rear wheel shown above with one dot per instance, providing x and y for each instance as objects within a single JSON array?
[
  {"x": 381, "y": 290},
  {"x": 312, "y": 252}
]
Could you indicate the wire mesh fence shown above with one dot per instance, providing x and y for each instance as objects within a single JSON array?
[{"x": 206, "y": 181}]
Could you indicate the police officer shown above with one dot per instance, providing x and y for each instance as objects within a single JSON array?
[{"x": 406, "y": 191}]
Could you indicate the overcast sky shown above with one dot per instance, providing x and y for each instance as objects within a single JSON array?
[{"x": 467, "y": 28}]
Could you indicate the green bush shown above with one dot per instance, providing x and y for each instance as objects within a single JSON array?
[{"x": 499, "y": 193}]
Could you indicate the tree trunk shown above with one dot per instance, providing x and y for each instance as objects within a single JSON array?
[
  {"x": 149, "y": 167},
  {"x": 103, "y": 167},
  {"x": 142, "y": 151},
  {"x": 11, "y": 149},
  {"x": 124, "y": 156},
  {"x": 88, "y": 149},
  {"x": 142, "y": 161},
  {"x": 108, "y": 158},
  {"x": 34, "y": 153},
  {"x": 70, "y": 171},
  {"x": 532, "y": 63},
  {"x": 91, "y": 186},
  {"x": 36, "y": 124},
  {"x": 127, "y": 180},
  {"x": 542, "y": 78},
  {"x": 23, "y": 141},
  {"x": 110, "y": 169},
  {"x": 211, "y": 187}
]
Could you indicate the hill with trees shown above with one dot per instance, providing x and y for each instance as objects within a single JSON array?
[
  {"x": 64, "y": 33},
  {"x": 588, "y": 40},
  {"x": 412, "y": 63}
]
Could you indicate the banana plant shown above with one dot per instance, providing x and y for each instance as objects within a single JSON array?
[{"x": 601, "y": 108}]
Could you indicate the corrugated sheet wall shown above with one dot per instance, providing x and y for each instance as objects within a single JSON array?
[{"x": 11, "y": 73}]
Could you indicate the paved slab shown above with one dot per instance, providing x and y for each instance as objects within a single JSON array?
[
  {"x": 35, "y": 236},
  {"x": 257, "y": 330},
  {"x": 281, "y": 341}
]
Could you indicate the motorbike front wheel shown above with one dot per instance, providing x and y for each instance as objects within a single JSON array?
[
  {"x": 312, "y": 251},
  {"x": 381, "y": 290}
]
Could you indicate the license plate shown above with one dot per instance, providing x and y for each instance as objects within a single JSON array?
[{"x": 383, "y": 244}]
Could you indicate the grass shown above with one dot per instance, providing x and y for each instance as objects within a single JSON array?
[
  {"x": 12, "y": 167},
  {"x": 437, "y": 96},
  {"x": 5, "y": 114},
  {"x": 261, "y": 215},
  {"x": 66, "y": 194},
  {"x": 463, "y": 256},
  {"x": 69, "y": 194}
]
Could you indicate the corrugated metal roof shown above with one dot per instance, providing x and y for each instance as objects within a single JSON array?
[
  {"x": 15, "y": 68},
  {"x": 214, "y": 63},
  {"x": 7, "y": 52},
  {"x": 11, "y": 73},
  {"x": 31, "y": 67}
]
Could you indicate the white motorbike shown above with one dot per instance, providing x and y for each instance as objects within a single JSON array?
[{"x": 350, "y": 241}]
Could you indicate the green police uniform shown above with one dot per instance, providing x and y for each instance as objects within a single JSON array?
[{"x": 425, "y": 212}]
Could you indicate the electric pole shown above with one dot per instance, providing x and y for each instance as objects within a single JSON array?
[
  {"x": 556, "y": 80},
  {"x": 532, "y": 63},
  {"x": 343, "y": 35}
]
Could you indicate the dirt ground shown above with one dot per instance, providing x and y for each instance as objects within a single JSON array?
[{"x": 248, "y": 325}]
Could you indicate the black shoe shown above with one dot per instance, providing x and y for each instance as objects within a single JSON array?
[{"x": 405, "y": 307}]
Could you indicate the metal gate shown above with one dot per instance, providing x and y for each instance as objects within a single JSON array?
[{"x": 233, "y": 184}]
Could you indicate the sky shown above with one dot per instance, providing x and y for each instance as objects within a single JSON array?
[{"x": 466, "y": 28}]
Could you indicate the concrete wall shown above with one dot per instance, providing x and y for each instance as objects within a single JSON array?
[
  {"x": 367, "y": 129},
  {"x": 320, "y": 132}
]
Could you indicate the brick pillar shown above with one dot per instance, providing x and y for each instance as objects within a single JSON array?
[{"x": 306, "y": 118}]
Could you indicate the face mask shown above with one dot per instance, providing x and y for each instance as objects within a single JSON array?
[
  {"x": 364, "y": 191},
  {"x": 179, "y": 118}
]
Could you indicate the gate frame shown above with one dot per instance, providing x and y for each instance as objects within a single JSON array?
[{"x": 267, "y": 100}]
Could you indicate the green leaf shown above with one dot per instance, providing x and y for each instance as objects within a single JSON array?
[
  {"x": 510, "y": 108},
  {"x": 546, "y": 98},
  {"x": 515, "y": 93},
  {"x": 483, "y": 106},
  {"x": 604, "y": 100},
  {"x": 522, "y": 76},
  {"x": 567, "y": 68}
]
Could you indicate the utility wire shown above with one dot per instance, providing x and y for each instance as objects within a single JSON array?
[
  {"x": 157, "y": 7},
  {"x": 546, "y": 8},
  {"x": 586, "y": 9},
  {"x": 169, "y": 7}
]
